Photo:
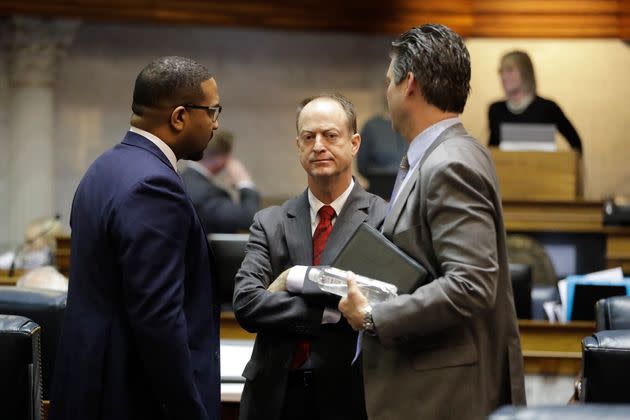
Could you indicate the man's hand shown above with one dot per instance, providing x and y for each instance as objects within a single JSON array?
[
  {"x": 354, "y": 305},
  {"x": 236, "y": 172},
  {"x": 280, "y": 283}
]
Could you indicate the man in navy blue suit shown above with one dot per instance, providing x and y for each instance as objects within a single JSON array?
[{"x": 141, "y": 332}]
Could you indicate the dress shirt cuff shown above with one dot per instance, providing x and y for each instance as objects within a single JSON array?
[
  {"x": 330, "y": 316},
  {"x": 295, "y": 278},
  {"x": 245, "y": 184}
]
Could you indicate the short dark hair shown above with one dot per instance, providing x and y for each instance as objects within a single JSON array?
[
  {"x": 169, "y": 81},
  {"x": 221, "y": 144},
  {"x": 348, "y": 108},
  {"x": 440, "y": 63}
]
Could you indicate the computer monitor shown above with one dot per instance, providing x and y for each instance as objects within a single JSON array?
[
  {"x": 229, "y": 252},
  {"x": 541, "y": 137},
  {"x": 583, "y": 293},
  {"x": 521, "y": 276}
]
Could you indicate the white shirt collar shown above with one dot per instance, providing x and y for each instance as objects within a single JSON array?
[
  {"x": 165, "y": 148},
  {"x": 337, "y": 204}
]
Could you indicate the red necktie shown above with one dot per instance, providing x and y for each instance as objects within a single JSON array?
[{"x": 324, "y": 227}]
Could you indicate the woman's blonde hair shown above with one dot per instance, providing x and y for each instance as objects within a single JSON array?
[{"x": 523, "y": 63}]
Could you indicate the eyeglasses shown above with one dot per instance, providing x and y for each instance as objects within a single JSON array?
[{"x": 214, "y": 111}]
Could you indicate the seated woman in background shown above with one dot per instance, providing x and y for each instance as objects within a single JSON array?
[{"x": 523, "y": 105}]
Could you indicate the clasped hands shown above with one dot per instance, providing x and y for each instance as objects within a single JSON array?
[{"x": 353, "y": 306}]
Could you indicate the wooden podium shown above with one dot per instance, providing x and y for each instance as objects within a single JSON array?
[{"x": 530, "y": 175}]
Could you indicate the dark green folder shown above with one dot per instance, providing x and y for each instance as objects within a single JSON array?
[{"x": 371, "y": 254}]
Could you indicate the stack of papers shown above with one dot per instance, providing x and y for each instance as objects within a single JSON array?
[{"x": 558, "y": 311}]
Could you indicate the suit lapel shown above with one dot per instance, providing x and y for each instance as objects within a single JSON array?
[
  {"x": 353, "y": 213},
  {"x": 297, "y": 227},
  {"x": 392, "y": 218}
]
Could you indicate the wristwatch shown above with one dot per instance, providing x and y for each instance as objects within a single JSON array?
[{"x": 368, "y": 322}]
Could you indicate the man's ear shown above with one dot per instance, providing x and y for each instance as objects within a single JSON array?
[
  {"x": 411, "y": 88},
  {"x": 179, "y": 117},
  {"x": 356, "y": 143}
]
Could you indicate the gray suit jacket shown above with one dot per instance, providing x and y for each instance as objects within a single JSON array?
[
  {"x": 216, "y": 209},
  {"x": 280, "y": 238},
  {"x": 449, "y": 349}
]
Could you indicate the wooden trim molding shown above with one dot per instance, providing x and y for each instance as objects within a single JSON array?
[{"x": 471, "y": 18}]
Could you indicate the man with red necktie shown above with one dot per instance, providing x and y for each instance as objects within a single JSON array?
[{"x": 301, "y": 364}]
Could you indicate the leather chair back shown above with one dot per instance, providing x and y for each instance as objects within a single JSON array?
[
  {"x": 46, "y": 308},
  {"x": 605, "y": 367},
  {"x": 613, "y": 313},
  {"x": 20, "y": 368}
]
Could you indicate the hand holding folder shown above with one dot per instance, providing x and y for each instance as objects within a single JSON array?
[{"x": 371, "y": 254}]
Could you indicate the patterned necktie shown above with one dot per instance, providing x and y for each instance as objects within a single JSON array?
[
  {"x": 324, "y": 227},
  {"x": 402, "y": 173},
  {"x": 322, "y": 232}
]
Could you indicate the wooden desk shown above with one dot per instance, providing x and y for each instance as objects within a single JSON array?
[
  {"x": 547, "y": 348},
  {"x": 230, "y": 329},
  {"x": 62, "y": 255},
  {"x": 533, "y": 175},
  {"x": 553, "y": 348},
  {"x": 580, "y": 216},
  {"x": 5, "y": 280}
]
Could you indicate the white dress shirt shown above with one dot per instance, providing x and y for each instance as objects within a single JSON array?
[{"x": 295, "y": 278}]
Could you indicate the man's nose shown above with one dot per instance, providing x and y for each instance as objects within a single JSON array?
[{"x": 319, "y": 146}]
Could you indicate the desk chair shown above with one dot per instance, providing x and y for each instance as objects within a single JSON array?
[
  {"x": 20, "y": 368},
  {"x": 46, "y": 308},
  {"x": 613, "y": 313},
  {"x": 605, "y": 367}
]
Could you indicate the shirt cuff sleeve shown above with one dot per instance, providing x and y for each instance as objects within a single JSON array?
[
  {"x": 295, "y": 278},
  {"x": 245, "y": 184},
  {"x": 330, "y": 316}
]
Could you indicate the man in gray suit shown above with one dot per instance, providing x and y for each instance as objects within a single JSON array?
[
  {"x": 301, "y": 363},
  {"x": 449, "y": 348},
  {"x": 216, "y": 209}
]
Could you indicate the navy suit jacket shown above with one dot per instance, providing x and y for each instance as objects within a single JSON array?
[{"x": 141, "y": 331}]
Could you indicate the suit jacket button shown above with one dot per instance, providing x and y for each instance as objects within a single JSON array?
[{"x": 216, "y": 354}]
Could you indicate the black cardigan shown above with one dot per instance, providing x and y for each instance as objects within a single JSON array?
[{"x": 540, "y": 111}]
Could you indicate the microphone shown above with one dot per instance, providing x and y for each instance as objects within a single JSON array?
[{"x": 45, "y": 231}]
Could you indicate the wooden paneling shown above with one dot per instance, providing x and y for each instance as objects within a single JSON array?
[
  {"x": 484, "y": 18},
  {"x": 569, "y": 217},
  {"x": 537, "y": 175},
  {"x": 553, "y": 216},
  {"x": 618, "y": 251},
  {"x": 624, "y": 19},
  {"x": 546, "y": 18}
]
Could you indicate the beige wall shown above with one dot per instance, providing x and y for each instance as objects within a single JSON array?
[{"x": 589, "y": 79}]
